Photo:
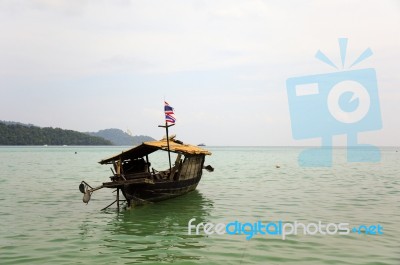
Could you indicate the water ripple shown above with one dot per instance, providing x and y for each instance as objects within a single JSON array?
[{"x": 43, "y": 220}]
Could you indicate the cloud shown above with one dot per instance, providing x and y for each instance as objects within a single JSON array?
[
  {"x": 197, "y": 53},
  {"x": 75, "y": 37}
]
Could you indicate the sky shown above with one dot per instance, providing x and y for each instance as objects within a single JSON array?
[{"x": 223, "y": 64}]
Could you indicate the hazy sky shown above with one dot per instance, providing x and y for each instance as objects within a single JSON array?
[{"x": 91, "y": 65}]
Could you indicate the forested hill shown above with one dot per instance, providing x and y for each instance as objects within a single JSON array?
[
  {"x": 119, "y": 137},
  {"x": 21, "y": 134}
]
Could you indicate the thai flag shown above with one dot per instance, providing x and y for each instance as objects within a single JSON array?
[
  {"x": 169, "y": 118},
  {"x": 169, "y": 113},
  {"x": 168, "y": 109}
]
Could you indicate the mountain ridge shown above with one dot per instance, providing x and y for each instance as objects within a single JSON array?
[
  {"x": 119, "y": 137},
  {"x": 17, "y": 133},
  {"x": 14, "y": 133}
]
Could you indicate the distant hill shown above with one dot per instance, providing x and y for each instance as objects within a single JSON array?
[
  {"x": 119, "y": 137},
  {"x": 16, "y": 123},
  {"x": 14, "y": 133}
]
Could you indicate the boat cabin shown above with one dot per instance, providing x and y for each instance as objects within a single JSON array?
[{"x": 134, "y": 164}]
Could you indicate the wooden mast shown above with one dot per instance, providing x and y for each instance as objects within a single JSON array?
[
  {"x": 168, "y": 111},
  {"x": 169, "y": 153}
]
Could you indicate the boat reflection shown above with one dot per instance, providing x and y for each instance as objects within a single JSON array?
[{"x": 158, "y": 232}]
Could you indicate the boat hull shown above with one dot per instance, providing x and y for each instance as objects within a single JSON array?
[
  {"x": 146, "y": 187},
  {"x": 139, "y": 194}
]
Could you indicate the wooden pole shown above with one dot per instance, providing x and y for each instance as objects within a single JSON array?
[
  {"x": 169, "y": 154},
  {"x": 117, "y": 198},
  {"x": 147, "y": 163},
  {"x": 108, "y": 205}
]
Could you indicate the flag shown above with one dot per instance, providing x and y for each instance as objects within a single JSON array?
[
  {"x": 169, "y": 118},
  {"x": 169, "y": 113}
]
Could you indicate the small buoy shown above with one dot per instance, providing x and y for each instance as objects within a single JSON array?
[
  {"x": 86, "y": 196},
  {"x": 76, "y": 153},
  {"x": 209, "y": 168},
  {"x": 277, "y": 166}
]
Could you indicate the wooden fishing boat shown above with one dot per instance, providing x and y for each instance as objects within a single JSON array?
[{"x": 139, "y": 183}]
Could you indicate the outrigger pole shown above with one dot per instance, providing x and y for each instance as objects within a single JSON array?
[{"x": 169, "y": 153}]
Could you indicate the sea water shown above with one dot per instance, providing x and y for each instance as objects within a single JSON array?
[{"x": 44, "y": 221}]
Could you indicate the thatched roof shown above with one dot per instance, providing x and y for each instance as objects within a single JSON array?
[{"x": 152, "y": 146}]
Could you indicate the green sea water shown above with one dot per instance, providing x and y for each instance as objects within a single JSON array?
[{"x": 44, "y": 221}]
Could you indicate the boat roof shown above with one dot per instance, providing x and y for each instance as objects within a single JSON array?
[{"x": 147, "y": 148}]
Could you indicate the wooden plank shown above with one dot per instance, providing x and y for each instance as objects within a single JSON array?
[{"x": 117, "y": 184}]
